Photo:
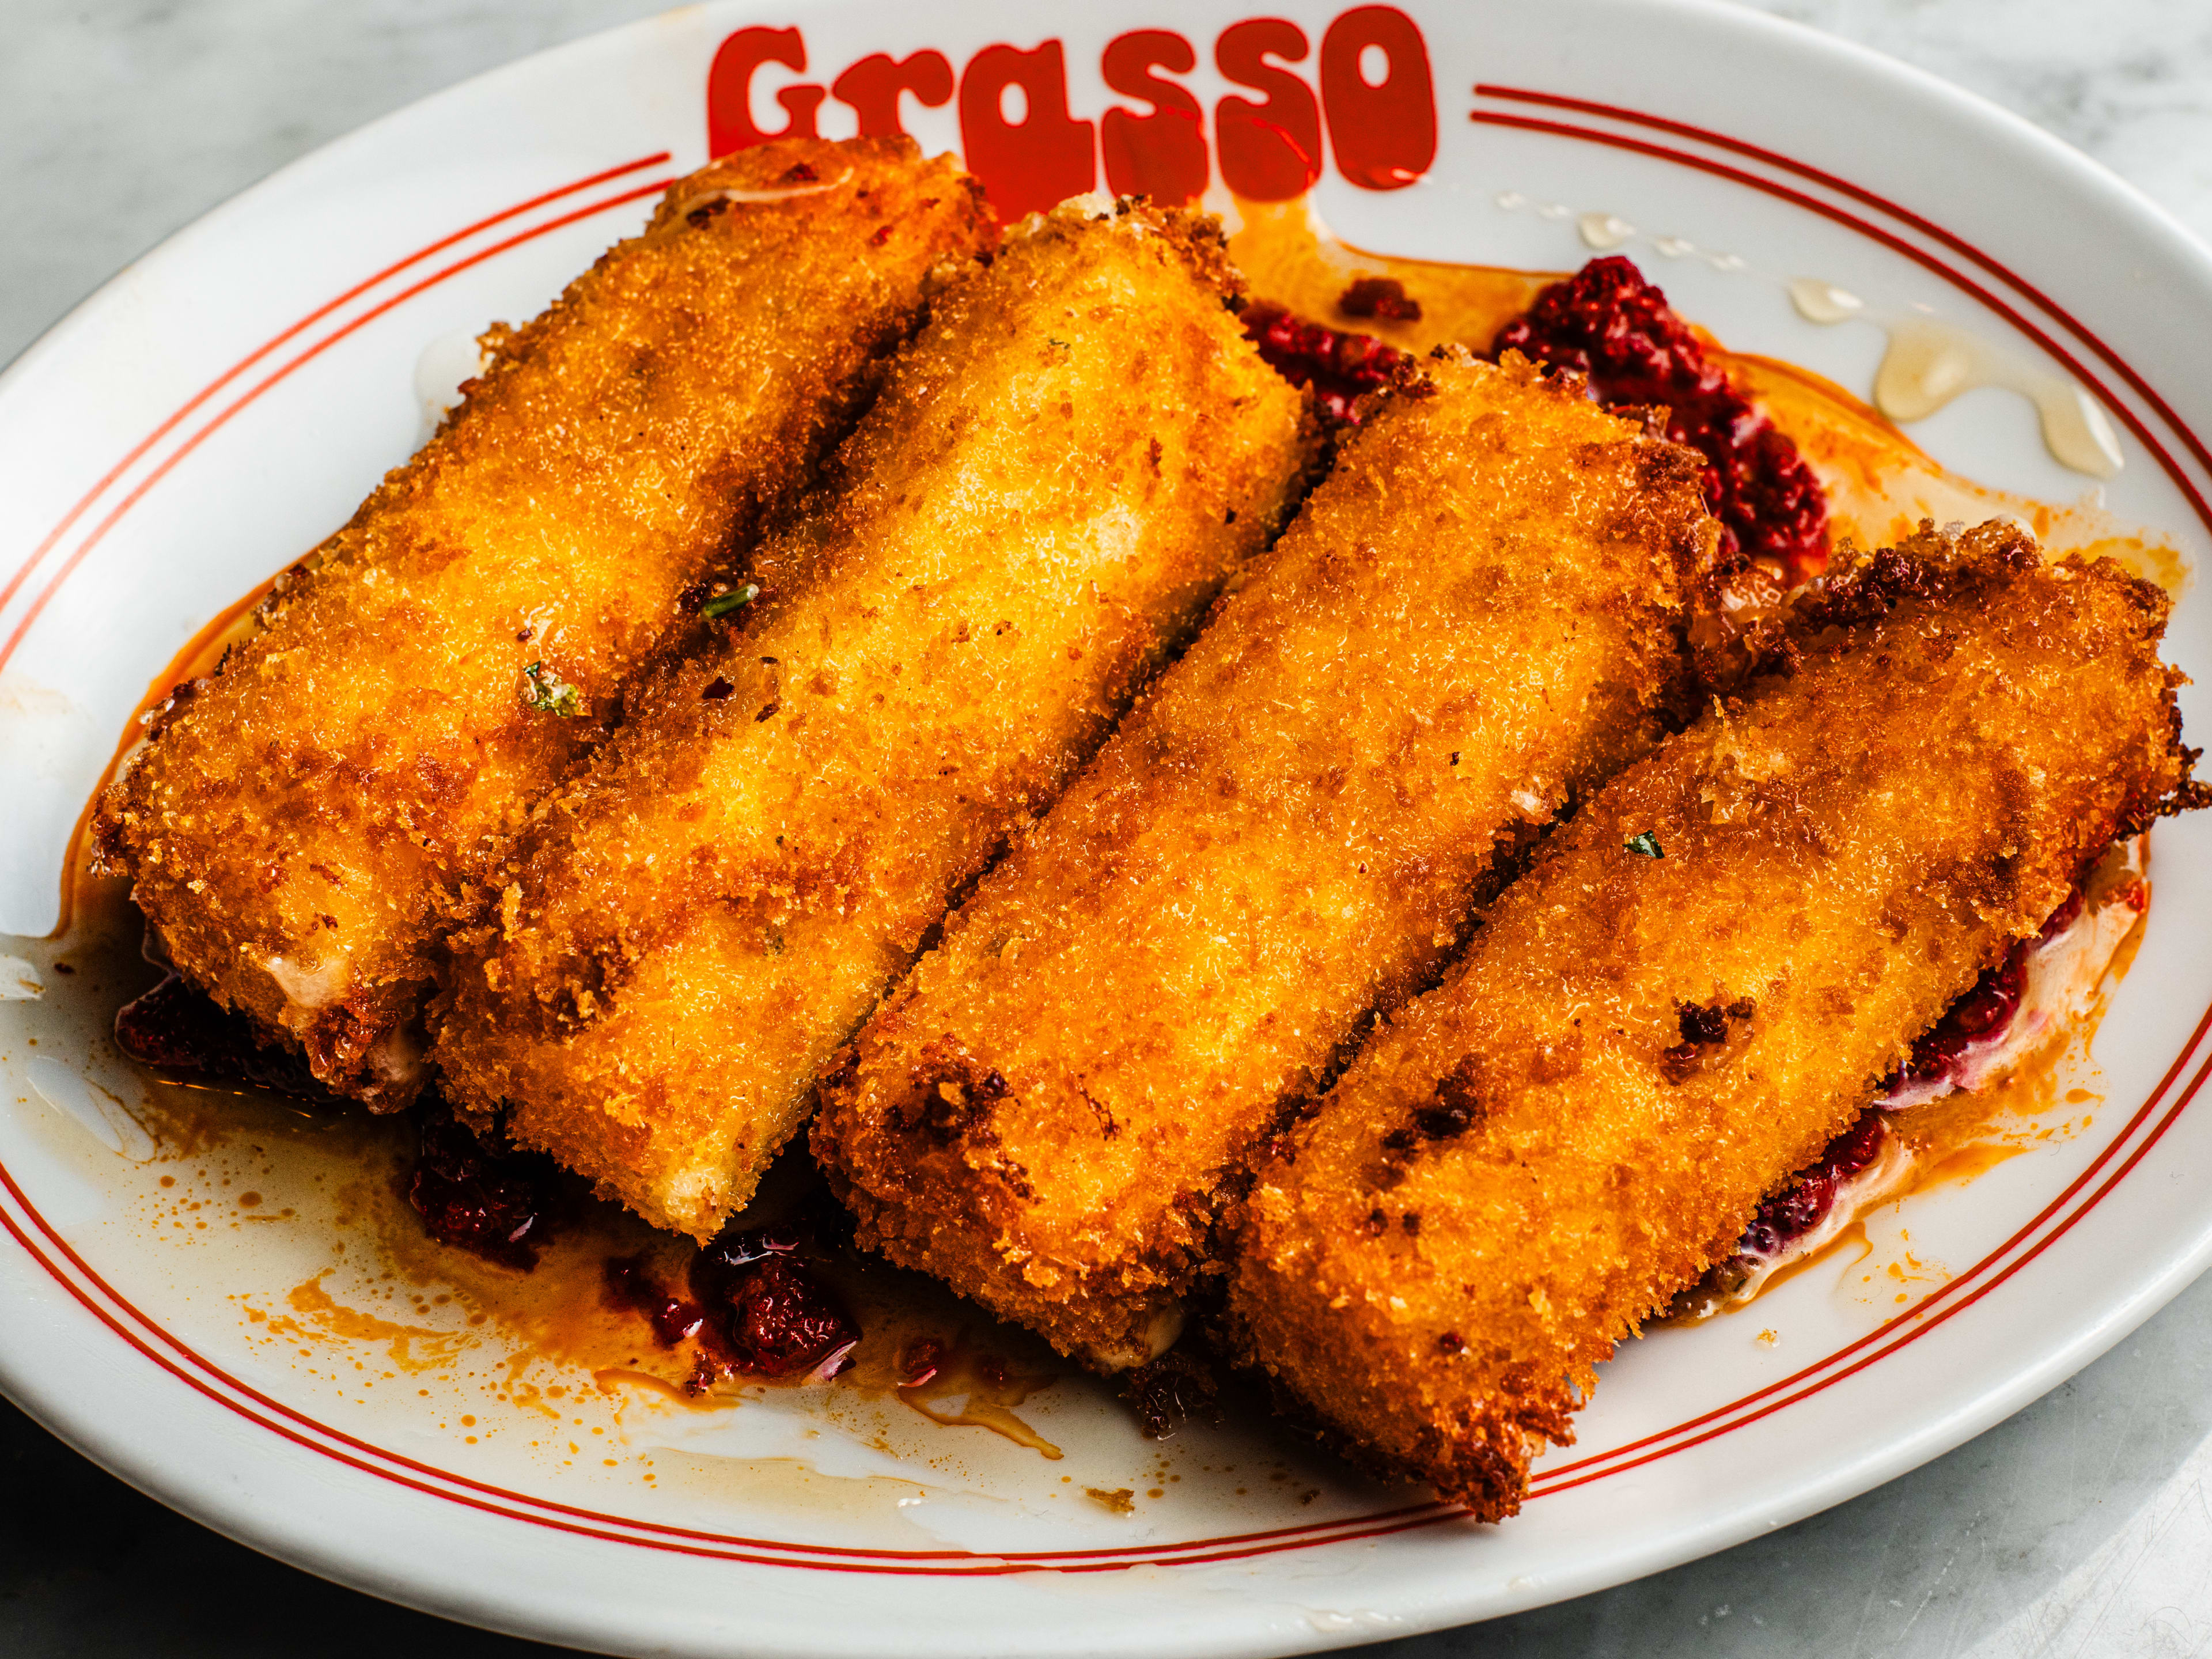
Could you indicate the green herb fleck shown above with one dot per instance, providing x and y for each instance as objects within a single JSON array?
[
  {"x": 549, "y": 694},
  {"x": 1645, "y": 843},
  {"x": 722, "y": 604}
]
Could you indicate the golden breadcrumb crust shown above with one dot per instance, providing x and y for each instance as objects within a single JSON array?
[
  {"x": 1534, "y": 1157},
  {"x": 304, "y": 825},
  {"x": 1469, "y": 625},
  {"x": 1065, "y": 466}
]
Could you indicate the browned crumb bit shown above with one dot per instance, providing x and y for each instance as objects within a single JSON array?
[
  {"x": 1122, "y": 1500},
  {"x": 1702, "y": 1024},
  {"x": 1169, "y": 1389},
  {"x": 1457, "y": 1109},
  {"x": 1702, "y": 1027},
  {"x": 1379, "y": 296}
]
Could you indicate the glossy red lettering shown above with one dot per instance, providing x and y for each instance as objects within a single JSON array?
[
  {"x": 1162, "y": 154},
  {"x": 1383, "y": 136},
  {"x": 872, "y": 87},
  {"x": 1035, "y": 163},
  {"x": 730, "y": 90},
  {"x": 1271, "y": 150}
]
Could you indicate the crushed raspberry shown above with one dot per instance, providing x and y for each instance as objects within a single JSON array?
[
  {"x": 630, "y": 1285},
  {"x": 1794, "y": 1213},
  {"x": 1340, "y": 367},
  {"x": 1975, "y": 1019},
  {"x": 1379, "y": 296},
  {"x": 498, "y": 1204},
  {"x": 186, "y": 1035},
  {"x": 1983, "y": 1012},
  {"x": 1609, "y": 324},
  {"x": 767, "y": 1314}
]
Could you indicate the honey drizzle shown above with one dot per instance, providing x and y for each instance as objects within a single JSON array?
[{"x": 1881, "y": 484}]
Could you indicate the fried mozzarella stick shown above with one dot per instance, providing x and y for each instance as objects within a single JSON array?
[
  {"x": 1701, "y": 981},
  {"x": 1065, "y": 466},
  {"x": 1469, "y": 625},
  {"x": 303, "y": 827}
]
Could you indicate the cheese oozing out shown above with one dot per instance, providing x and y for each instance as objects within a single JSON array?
[{"x": 2019, "y": 1009}]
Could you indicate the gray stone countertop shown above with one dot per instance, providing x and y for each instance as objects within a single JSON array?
[{"x": 2081, "y": 1527}]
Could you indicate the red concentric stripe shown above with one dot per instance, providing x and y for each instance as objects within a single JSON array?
[
  {"x": 295, "y": 1425},
  {"x": 14, "y": 582},
  {"x": 222, "y": 417},
  {"x": 298, "y": 1428}
]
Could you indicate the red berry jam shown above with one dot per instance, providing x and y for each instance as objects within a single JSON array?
[
  {"x": 767, "y": 1314},
  {"x": 1609, "y": 324},
  {"x": 186, "y": 1035},
  {"x": 1981, "y": 1016},
  {"x": 1975, "y": 1021},
  {"x": 630, "y": 1285},
  {"x": 498, "y": 1204},
  {"x": 1976, "y": 1018},
  {"x": 1340, "y": 367},
  {"x": 1792, "y": 1213}
]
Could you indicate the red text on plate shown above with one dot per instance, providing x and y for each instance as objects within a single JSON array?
[{"x": 1369, "y": 101}]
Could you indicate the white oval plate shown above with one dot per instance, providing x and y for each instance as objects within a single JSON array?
[{"x": 216, "y": 408}]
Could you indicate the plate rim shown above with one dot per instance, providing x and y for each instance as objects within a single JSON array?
[{"x": 1992, "y": 1405}]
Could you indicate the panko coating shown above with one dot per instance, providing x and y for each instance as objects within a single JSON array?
[
  {"x": 1470, "y": 626},
  {"x": 1066, "y": 465},
  {"x": 1701, "y": 981},
  {"x": 304, "y": 827}
]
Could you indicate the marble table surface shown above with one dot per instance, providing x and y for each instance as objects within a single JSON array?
[{"x": 2081, "y": 1528}]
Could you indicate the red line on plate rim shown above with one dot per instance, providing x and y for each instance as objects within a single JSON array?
[
  {"x": 91, "y": 1275},
  {"x": 1190, "y": 1552},
  {"x": 1170, "y": 1554},
  {"x": 1881, "y": 204},
  {"x": 15, "y": 581},
  {"x": 99, "y": 532}
]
